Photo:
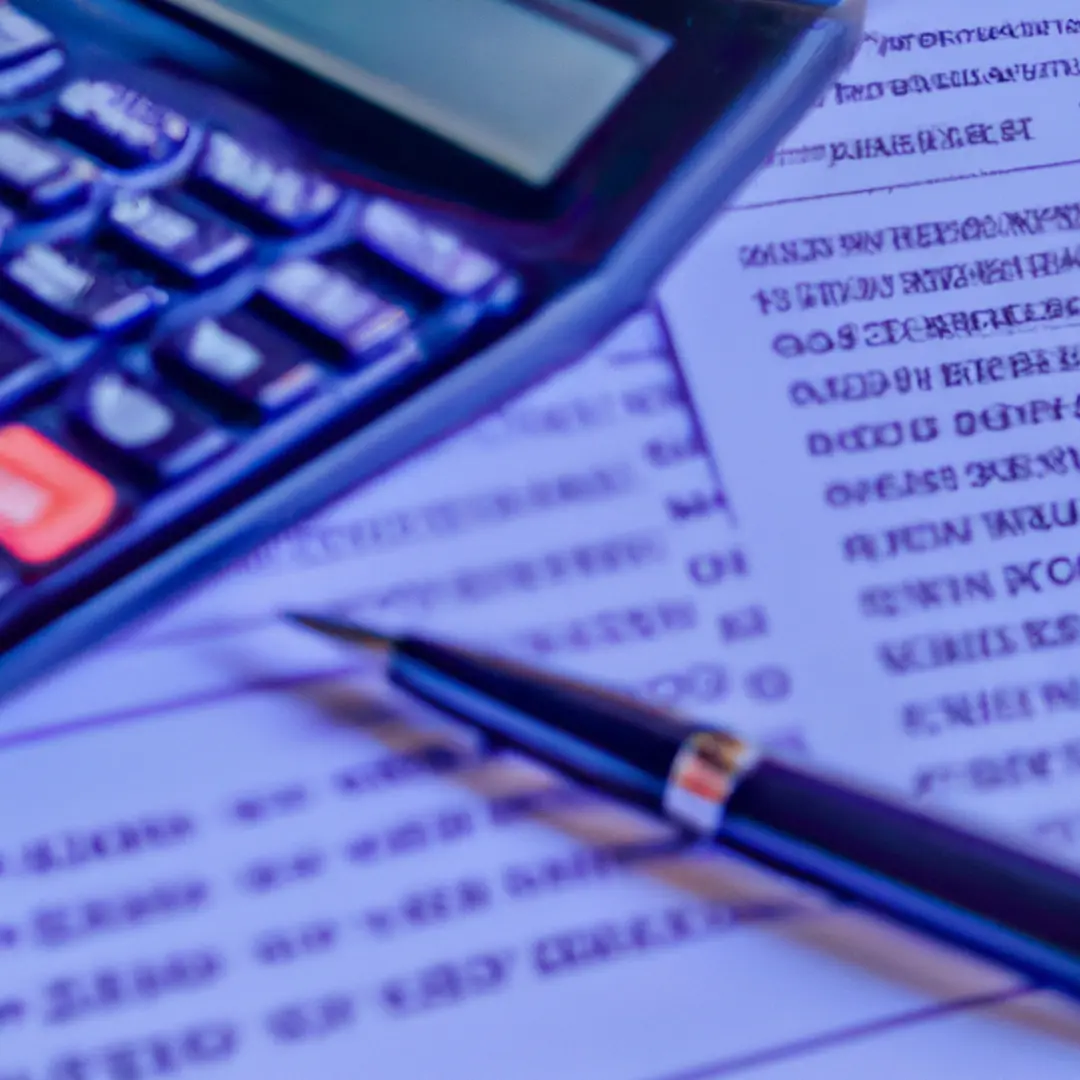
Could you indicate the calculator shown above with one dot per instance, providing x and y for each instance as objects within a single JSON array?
[{"x": 253, "y": 252}]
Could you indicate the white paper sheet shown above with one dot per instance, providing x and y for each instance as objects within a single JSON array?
[
  {"x": 891, "y": 395},
  {"x": 896, "y": 384},
  {"x": 230, "y": 852}
]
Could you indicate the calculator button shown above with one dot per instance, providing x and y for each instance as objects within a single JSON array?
[
  {"x": 21, "y": 38},
  {"x": 24, "y": 372},
  {"x": 156, "y": 439},
  {"x": 439, "y": 258},
  {"x": 29, "y": 54},
  {"x": 333, "y": 309},
  {"x": 241, "y": 365},
  {"x": 119, "y": 125},
  {"x": 27, "y": 78},
  {"x": 72, "y": 297},
  {"x": 50, "y": 502},
  {"x": 39, "y": 178},
  {"x": 260, "y": 191},
  {"x": 196, "y": 250}
]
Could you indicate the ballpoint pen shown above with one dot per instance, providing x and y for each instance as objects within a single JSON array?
[{"x": 963, "y": 885}]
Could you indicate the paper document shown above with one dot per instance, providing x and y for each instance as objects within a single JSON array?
[
  {"x": 896, "y": 383},
  {"x": 231, "y": 852}
]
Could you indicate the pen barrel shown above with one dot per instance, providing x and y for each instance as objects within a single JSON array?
[
  {"x": 605, "y": 739},
  {"x": 960, "y": 883},
  {"x": 981, "y": 892}
]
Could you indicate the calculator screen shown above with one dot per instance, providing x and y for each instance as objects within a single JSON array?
[{"x": 519, "y": 83}]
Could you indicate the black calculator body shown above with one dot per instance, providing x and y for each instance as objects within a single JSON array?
[{"x": 253, "y": 252}]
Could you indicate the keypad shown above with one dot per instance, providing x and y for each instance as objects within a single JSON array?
[
  {"x": 27, "y": 78},
  {"x": 267, "y": 194},
  {"x": 156, "y": 439},
  {"x": 50, "y": 502},
  {"x": 189, "y": 248},
  {"x": 333, "y": 310},
  {"x": 171, "y": 287},
  {"x": 425, "y": 251},
  {"x": 73, "y": 295},
  {"x": 122, "y": 127},
  {"x": 240, "y": 367},
  {"x": 40, "y": 179},
  {"x": 22, "y": 39}
]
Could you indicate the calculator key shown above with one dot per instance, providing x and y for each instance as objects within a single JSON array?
[
  {"x": 158, "y": 440},
  {"x": 29, "y": 54},
  {"x": 267, "y": 194},
  {"x": 240, "y": 365},
  {"x": 333, "y": 309},
  {"x": 24, "y": 372},
  {"x": 73, "y": 297},
  {"x": 442, "y": 260},
  {"x": 50, "y": 502},
  {"x": 193, "y": 249},
  {"x": 40, "y": 178},
  {"x": 21, "y": 38},
  {"x": 121, "y": 126},
  {"x": 18, "y": 82}
]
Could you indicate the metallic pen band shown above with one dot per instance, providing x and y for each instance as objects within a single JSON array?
[{"x": 703, "y": 777}]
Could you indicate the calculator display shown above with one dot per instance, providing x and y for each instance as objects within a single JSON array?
[{"x": 519, "y": 83}]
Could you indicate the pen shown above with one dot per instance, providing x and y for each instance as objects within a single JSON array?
[{"x": 961, "y": 884}]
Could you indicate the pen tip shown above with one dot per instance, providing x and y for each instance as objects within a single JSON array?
[{"x": 341, "y": 630}]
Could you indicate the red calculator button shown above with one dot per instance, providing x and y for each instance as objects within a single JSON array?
[{"x": 50, "y": 503}]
